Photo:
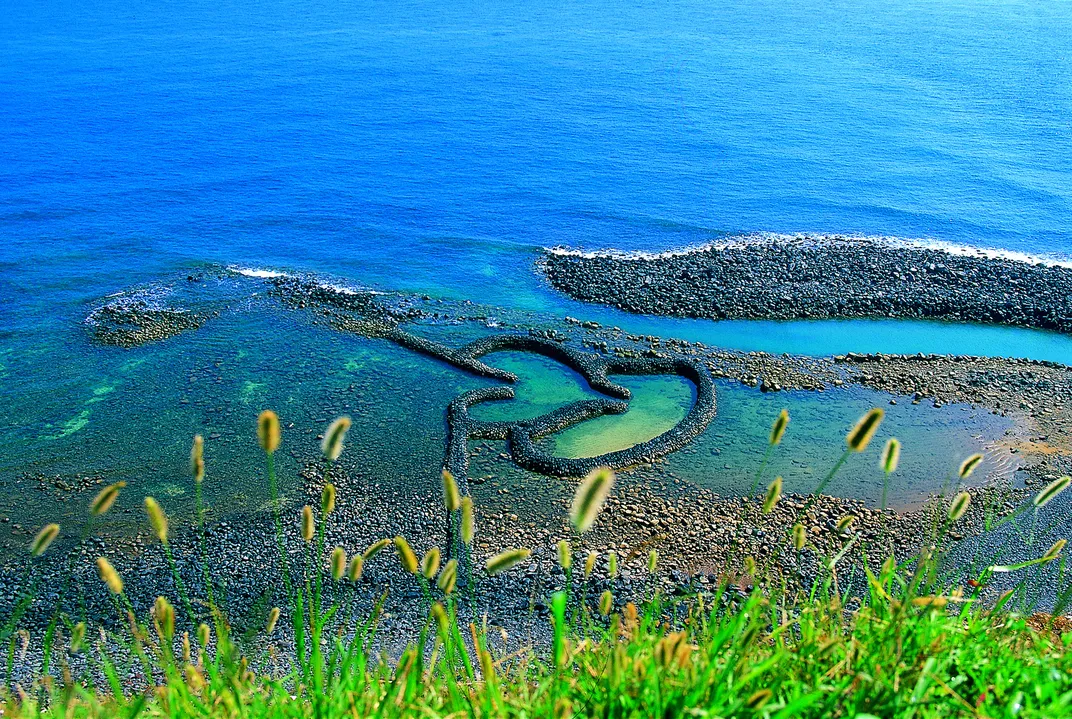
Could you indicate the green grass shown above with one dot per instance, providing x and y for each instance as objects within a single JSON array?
[{"x": 905, "y": 642}]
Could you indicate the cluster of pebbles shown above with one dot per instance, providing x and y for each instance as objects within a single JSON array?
[{"x": 822, "y": 278}]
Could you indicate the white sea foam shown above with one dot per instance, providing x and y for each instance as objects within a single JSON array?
[
  {"x": 751, "y": 240},
  {"x": 270, "y": 274},
  {"x": 253, "y": 272},
  {"x": 347, "y": 289},
  {"x": 989, "y": 253},
  {"x": 338, "y": 288}
]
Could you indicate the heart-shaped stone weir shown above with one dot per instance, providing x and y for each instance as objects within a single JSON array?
[{"x": 522, "y": 434}]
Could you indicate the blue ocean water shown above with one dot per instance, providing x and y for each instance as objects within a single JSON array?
[
  {"x": 418, "y": 145},
  {"x": 436, "y": 147}
]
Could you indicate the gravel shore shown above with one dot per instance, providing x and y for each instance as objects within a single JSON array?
[{"x": 700, "y": 537}]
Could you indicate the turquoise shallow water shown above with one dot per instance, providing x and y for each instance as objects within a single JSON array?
[
  {"x": 133, "y": 419},
  {"x": 436, "y": 148},
  {"x": 658, "y": 403}
]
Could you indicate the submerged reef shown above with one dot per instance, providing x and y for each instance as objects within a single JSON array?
[
  {"x": 822, "y": 278},
  {"x": 137, "y": 322}
]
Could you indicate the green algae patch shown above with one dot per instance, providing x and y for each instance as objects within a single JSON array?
[
  {"x": 658, "y": 404},
  {"x": 132, "y": 364},
  {"x": 100, "y": 392},
  {"x": 250, "y": 391},
  {"x": 170, "y": 489},
  {"x": 72, "y": 425}
]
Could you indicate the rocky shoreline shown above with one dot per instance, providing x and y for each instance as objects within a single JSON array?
[
  {"x": 1039, "y": 392},
  {"x": 702, "y": 539},
  {"x": 821, "y": 278},
  {"x": 699, "y": 535}
]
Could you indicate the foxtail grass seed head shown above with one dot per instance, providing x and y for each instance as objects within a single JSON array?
[
  {"x": 157, "y": 519},
  {"x": 375, "y": 548},
  {"x": 750, "y": 565},
  {"x": 430, "y": 563},
  {"x": 968, "y": 466},
  {"x": 865, "y": 429},
  {"x": 606, "y": 602},
  {"x": 759, "y": 699},
  {"x": 194, "y": 679},
  {"x": 334, "y": 435},
  {"x": 204, "y": 635},
  {"x": 505, "y": 560},
  {"x": 653, "y": 561},
  {"x": 197, "y": 459},
  {"x": 468, "y": 523},
  {"x": 565, "y": 556},
  {"x": 590, "y": 563},
  {"x": 1051, "y": 490},
  {"x": 1054, "y": 551},
  {"x": 78, "y": 637},
  {"x": 448, "y": 578},
  {"x": 891, "y": 455},
  {"x": 844, "y": 523},
  {"x": 452, "y": 498},
  {"x": 268, "y": 431},
  {"x": 105, "y": 499},
  {"x": 273, "y": 619},
  {"x": 44, "y": 538},
  {"x": 164, "y": 618},
  {"x": 487, "y": 666},
  {"x": 589, "y": 498},
  {"x": 405, "y": 555},
  {"x": 439, "y": 614},
  {"x": 959, "y": 506},
  {"x": 355, "y": 568},
  {"x": 774, "y": 493},
  {"x": 612, "y": 564},
  {"x": 778, "y": 428},
  {"x": 338, "y": 563},
  {"x": 800, "y": 536},
  {"x": 308, "y": 524},
  {"x": 327, "y": 499}
]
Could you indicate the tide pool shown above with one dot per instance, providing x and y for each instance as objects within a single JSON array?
[{"x": 658, "y": 403}]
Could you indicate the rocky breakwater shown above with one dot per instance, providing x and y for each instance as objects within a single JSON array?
[{"x": 822, "y": 278}]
